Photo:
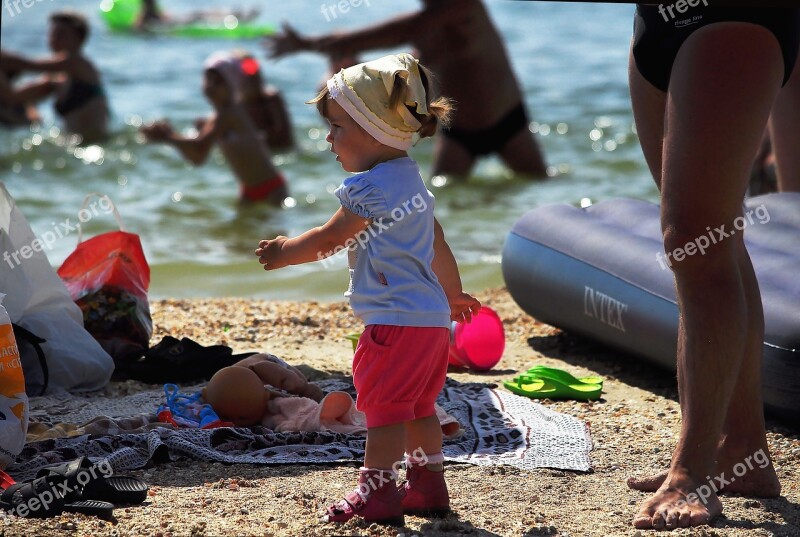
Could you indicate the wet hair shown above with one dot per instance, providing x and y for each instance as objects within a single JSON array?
[
  {"x": 74, "y": 20},
  {"x": 440, "y": 108}
]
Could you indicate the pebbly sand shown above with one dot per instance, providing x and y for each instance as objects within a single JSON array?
[{"x": 634, "y": 428}]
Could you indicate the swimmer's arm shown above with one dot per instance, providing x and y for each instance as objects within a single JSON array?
[
  {"x": 35, "y": 91},
  {"x": 7, "y": 93},
  {"x": 197, "y": 149},
  {"x": 313, "y": 245},
  {"x": 396, "y": 31},
  {"x": 61, "y": 63},
  {"x": 387, "y": 34},
  {"x": 462, "y": 305}
]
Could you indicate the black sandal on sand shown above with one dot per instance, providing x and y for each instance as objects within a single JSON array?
[
  {"x": 178, "y": 361},
  {"x": 86, "y": 482},
  {"x": 117, "y": 489},
  {"x": 100, "y": 509},
  {"x": 40, "y": 498}
]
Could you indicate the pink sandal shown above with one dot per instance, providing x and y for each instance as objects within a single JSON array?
[
  {"x": 376, "y": 499},
  {"x": 424, "y": 492}
]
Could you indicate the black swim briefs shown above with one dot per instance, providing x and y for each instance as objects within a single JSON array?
[{"x": 659, "y": 31}]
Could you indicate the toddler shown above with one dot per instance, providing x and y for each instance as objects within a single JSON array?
[{"x": 404, "y": 282}]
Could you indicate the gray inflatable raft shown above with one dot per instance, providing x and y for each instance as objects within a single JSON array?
[{"x": 602, "y": 272}]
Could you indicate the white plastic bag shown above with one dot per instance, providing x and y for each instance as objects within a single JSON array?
[
  {"x": 13, "y": 401},
  {"x": 38, "y": 301}
]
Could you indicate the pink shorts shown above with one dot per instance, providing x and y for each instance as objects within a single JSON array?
[{"x": 398, "y": 372}]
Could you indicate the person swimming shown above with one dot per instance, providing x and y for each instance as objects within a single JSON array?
[
  {"x": 79, "y": 96},
  {"x": 231, "y": 128},
  {"x": 265, "y": 104},
  {"x": 458, "y": 41},
  {"x": 13, "y": 110}
]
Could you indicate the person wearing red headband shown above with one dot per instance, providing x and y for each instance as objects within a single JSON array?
[
  {"x": 230, "y": 128},
  {"x": 265, "y": 105}
]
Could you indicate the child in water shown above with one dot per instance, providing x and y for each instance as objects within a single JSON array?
[
  {"x": 265, "y": 105},
  {"x": 404, "y": 280},
  {"x": 232, "y": 130}
]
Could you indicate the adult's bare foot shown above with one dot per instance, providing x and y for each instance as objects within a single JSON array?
[
  {"x": 680, "y": 502},
  {"x": 750, "y": 474}
]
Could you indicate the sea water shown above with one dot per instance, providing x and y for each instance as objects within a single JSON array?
[{"x": 570, "y": 59}]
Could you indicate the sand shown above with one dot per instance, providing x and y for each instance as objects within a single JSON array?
[{"x": 634, "y": 428}]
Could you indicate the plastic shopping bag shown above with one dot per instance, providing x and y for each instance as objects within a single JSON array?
[
  {"x": 108, "y": 277},
  {"x": 38, "y": 302},
  {"x": 13, "y": 400}
]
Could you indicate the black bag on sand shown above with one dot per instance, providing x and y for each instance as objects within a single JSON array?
[{"x": 178, "y": 361}]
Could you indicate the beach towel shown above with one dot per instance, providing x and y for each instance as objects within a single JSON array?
[
  {"x": 336, "y": 413},
  {"x": 499, "y": 429}
]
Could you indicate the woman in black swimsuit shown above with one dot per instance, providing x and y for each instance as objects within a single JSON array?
[
  {"x": 80, "y": 99},
  {"x": 703, "y": 82}
]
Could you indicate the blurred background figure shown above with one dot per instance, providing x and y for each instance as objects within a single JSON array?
[
  {"x": 784, "y": 129},
  {"x": 457, "y": 40},
  {"x": 777, "y": 164},
  {"x": 151, "y": 16},
  {"x": 17, "y": 107},
  {"x": 70, "y": 76},
  {"x": 231, "y": 128},
  {"x": 265, "y": 104}
]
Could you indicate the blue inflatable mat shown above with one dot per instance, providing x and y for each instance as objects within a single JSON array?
[{"x": 602, "y": 272}]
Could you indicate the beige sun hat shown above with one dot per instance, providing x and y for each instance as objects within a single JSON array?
[{"x": 363, "y": 92}]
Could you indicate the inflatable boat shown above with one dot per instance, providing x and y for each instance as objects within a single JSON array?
[{"x": 121, "y": 15}]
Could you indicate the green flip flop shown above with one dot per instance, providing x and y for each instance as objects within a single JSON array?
[
  {"x": 562, "y": 376},
  {"x": 537, "y": 387},
  {"x": 353, "y": 338}
]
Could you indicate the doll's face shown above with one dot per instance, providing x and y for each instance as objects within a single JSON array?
[{"x": 237, "y": 395}]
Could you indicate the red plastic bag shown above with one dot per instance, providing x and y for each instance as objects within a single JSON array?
[{"x": 108, "y": 277}]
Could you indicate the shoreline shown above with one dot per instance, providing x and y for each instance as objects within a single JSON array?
[
  {"x": 634, "y": 427},
  {"x": 246, "y": 279}
]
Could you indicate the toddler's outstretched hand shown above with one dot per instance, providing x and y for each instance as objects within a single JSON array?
[
  {"x": 463, "y": 306},
  {"x": 269, "y": 253}
]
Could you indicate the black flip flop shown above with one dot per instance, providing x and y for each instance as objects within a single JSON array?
[
  {"x": 117, "y": 489},
  {"x": 85, "y": 482},
  {"x": 40, "y": 498},
  {"x": 100, "y": 509}
]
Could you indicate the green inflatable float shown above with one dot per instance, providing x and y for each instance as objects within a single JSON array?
[{"x": 121, "y": 15}]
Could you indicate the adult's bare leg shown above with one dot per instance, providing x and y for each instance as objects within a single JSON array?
[
  {"x": 523, "y": 155},
  {"x": 649, "y": 110},
  {"x": 451, "y": 158},
  {"x": 784, "y": 128},
  {"x": 711, "y": 118},
  {"x": 742, "y": 434},
  {"x": 743, "y": 440}
]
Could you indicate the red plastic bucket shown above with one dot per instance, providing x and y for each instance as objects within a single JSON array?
[{"x": 477, "y": 345}]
